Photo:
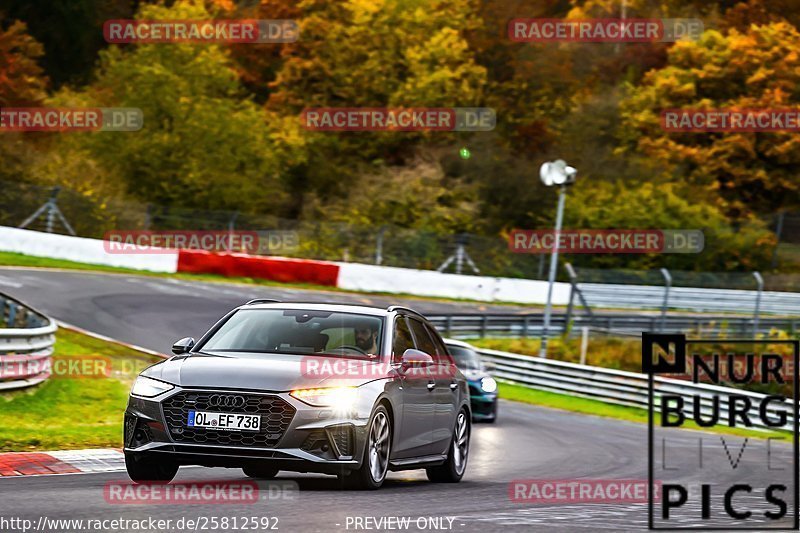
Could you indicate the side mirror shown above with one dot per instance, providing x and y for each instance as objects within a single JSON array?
[
  {"x": 182, "y": 346},
  {"x": 412, "y": 357}
]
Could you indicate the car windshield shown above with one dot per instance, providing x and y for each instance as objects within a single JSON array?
[
  {"x": 298, "y": 331},
  {"x": 465, "y": 358}
]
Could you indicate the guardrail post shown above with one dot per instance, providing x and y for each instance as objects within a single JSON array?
[
  {"x": 665, "y": 303},
  {"x": 525, "y": 322},
  {"x": 760, "y": 283},
  {"x": 483, "y": 325},
  {"x": 584, "y": 343},
  {"x": 449, "y": 324}
]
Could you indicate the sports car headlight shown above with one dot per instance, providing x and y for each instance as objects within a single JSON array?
[
  {"x": 149, "y": 387},
  {"x": 488, "y": 384},
  {"x": 339, "y": 398}
]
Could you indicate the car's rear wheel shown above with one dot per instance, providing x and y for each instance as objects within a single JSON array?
[
  {"x": 453, "y": 469},
  {"x": 260, "y": 471},
  {"x": 375, "y": 463},
  {"x": 143, "y": 470}
]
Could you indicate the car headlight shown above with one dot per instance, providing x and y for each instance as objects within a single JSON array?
[
  {"x": 149, "y": 387},
  {"x": 488, "y": 384},
  {"x": 340, "y": 398}
]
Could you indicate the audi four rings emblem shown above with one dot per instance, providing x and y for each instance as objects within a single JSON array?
[{"x": 221, "y": 400}]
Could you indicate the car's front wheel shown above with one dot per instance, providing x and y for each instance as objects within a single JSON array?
[
  {"x": 453, "y": 469},
  {"x": 375, "y": 463},
  {"x": 144, "y": 470}
]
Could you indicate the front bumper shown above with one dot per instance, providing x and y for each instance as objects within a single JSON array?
[
  {"x": 483, "y": 404},
  {"x": 294, "y": 436}
]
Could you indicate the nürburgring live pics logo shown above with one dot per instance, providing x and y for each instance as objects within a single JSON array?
[{"x": 742, "y": 481}]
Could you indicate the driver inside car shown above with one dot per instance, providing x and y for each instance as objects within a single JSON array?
[{"x": 367, "y": 337}]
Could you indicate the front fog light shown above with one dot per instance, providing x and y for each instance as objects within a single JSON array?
[
  {"x": 148, "y": 387},
  {"x": 488, "y": 384},
  {"x": 338, "y": 398}
]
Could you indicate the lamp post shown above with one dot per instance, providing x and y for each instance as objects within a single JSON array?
[{"x": 555, "y": 173}]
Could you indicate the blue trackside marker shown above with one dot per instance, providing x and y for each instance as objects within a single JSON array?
[{"x": 191, "y": 418}]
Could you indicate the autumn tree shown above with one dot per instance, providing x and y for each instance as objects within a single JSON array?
[
  {"x": 203, "y": 144},
  {"x": 22, "y": 83},
  {"x": 364, "y": 53},
  {"x": 748, "y": 172}
]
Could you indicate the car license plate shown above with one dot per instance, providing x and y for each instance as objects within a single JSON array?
[{"x": 231, "y": 421}]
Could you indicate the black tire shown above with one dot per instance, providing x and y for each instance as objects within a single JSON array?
[
  {"x": 260, "y": 471},
  {"x": 453, "y": 469},
  {"x": 364, "y": 478},
  {"x": 146, "y": 470}
]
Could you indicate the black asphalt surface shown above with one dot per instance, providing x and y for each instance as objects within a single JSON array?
[
  {"x": 526, "y": 443},
  {"x": 153, "y": 312}
]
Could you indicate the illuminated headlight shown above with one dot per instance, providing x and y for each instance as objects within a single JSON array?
[
  {"x": 148, "y": 387},
  {"x": 488, "y": 384},
  {"x": 339, "y": 398}
]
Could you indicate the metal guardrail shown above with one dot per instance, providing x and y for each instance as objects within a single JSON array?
[
  {"x": 620, "y": 387},
  {"x": 523, "y": 325},
  {"x": 699, "y": 300},
  {"x": 27, "y": 338}
]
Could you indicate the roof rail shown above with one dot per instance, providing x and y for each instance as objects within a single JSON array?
[
  {"x": 403, "y": 308},
  {"x": 263, "y": 301}
]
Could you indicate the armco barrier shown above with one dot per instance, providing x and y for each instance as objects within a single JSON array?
[
  {"x": 279, "y": 269},
  {"x": 618, "y": 387},
  {"x": 359, "y": 277},
  {"x": 92, "y": 251},
  {"x": 466, "y": 326},
  {"x": 26, "y": 344},
  {"x": 690, "y": 299}
]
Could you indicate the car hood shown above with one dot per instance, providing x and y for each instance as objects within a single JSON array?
[
  {"x": 474, "y": 375},
  {"x": 269, "y": 372}
]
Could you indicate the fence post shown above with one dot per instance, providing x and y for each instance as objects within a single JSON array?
[
  {"x": 483, "y": 325},
  {"x": 231, "y": 228},
  {"x": 665, "y": 303},
  {"x": 449, "y": 325},
  {"x": 379, "y": 246},
  {"x": 525, "y": 322},
  {"x": 760, "y": 283},
  {"x": 572, "y": 288},
  {"x": 584, "y": 343}
]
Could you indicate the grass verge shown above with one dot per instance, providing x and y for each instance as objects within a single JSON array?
[
  {"x": 518, "y": 393},
  {"x": 72, "y": 413}
]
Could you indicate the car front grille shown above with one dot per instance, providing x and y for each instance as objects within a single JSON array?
[{"x": 276, "y": 415}]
